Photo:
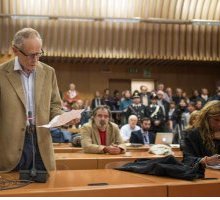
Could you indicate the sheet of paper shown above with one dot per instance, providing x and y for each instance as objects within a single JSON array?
[{"x": 61, "y": 120}]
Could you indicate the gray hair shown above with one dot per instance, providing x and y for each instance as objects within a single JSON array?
[
  {"x": 22, "y": 34},
  {"x": 101, "y": 107},
  {"x": 132, "y": 117}
]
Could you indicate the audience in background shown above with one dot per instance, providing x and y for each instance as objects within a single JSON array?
[{"x": 167, "y": 117}]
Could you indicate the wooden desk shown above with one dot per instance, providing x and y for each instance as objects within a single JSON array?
[
  {"x": 196, "y": 188},
  {"x": 66, "y": 148},
  {"x": 120, "y": 183},
  {"x": 75, "y": 183},
  {"x": 80, "y": 160}
]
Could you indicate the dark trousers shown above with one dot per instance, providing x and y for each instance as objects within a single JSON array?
[{"x": 26, "y": 161}]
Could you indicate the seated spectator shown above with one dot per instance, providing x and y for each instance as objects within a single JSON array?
[
  {"x": 100, "y": 135},
  {"x": 60, "y": 136},
  {"x": 199, "y": 104},
  {"x": 168, "y": 95},
  {"x": 171, "y": 122},
  {"x": 163, "y": 104},
  {"x": 97, "y": 100},
  {"x": 195, "y": 96},
  {"x": 217, "y": 95},
  {"x": 124, "y": 104},
  {"x": 178, "y": 96},
  {"x": 179, "y": 114},
  {"x": 79, "y": 104},
  {"x": 193, "y": 117},
  {"x": 85, "y": 115},
  {"x": 108, "y": 99},
  {"x": 204, "y": 97},
  {"x": 190, "y": 108},
  {"x": 202, "y": 143},
  {"x": 116, "y": 100},
  {"x": 71, "y": 96},
  {"x": 130, "y": 127},
  {"x": 143, "y": 136}
]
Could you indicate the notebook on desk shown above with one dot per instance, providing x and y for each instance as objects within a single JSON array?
[{"x": 164, "y": 138}]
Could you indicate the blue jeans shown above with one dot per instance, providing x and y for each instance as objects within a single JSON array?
[{"x": 26, "y": 161}]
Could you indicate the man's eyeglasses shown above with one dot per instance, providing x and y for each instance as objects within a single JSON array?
[{"x": 33, "y": 55}]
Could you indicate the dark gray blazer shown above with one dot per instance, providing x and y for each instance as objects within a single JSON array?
[{"x": 137, "y": 137}]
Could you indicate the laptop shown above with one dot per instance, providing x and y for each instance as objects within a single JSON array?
[{"x": 164, "y": 138}]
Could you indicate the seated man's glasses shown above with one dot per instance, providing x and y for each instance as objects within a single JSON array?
[{"x": 38, "y": 55}]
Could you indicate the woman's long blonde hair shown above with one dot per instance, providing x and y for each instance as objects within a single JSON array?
[{"x": 211, "y": 109}]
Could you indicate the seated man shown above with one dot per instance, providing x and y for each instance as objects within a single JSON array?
[
  {"x": 130, "y": 127},
  {"x": 143, "y": 136},
  {"x": 100, "y": 135}
]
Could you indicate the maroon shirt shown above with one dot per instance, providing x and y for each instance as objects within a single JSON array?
[{"x": 102, "y": 135}]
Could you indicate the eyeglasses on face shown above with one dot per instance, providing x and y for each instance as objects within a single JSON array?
[{"x": 33, "y": 55}]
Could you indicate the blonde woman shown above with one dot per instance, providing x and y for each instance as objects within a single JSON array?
[{"x": 202, "y": 143}]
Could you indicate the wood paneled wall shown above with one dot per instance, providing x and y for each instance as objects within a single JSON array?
[{"x": 91, "y": 77}]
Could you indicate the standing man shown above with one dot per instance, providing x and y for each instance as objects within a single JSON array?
[
  {"x": 100, "y": 135},
  {"x": 137, "y": 108},
  {"x": 28, "y": 94}
]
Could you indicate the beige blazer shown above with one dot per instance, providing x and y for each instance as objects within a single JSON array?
[
  {"x": 91, "y": 142},
  {"x": 13, "y": 114}
]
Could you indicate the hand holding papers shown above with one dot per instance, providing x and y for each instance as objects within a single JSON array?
[{"x": 63, "y": 119}]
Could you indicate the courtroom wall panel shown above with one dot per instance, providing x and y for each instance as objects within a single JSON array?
[{"x": 91, "y": 77}]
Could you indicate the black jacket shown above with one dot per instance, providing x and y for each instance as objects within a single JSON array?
[
  {"x": 194, "y": 148},
  {"x": 166, "y": 166},
  {"x": 137, "y": 137}
]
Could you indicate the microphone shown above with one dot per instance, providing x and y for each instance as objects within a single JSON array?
[
  {"x": 30, "y": 126},
  {"x": 33, "y": 174},
  {"x": 30, "y": 118},
  {"x": 33, "y": 171}
]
